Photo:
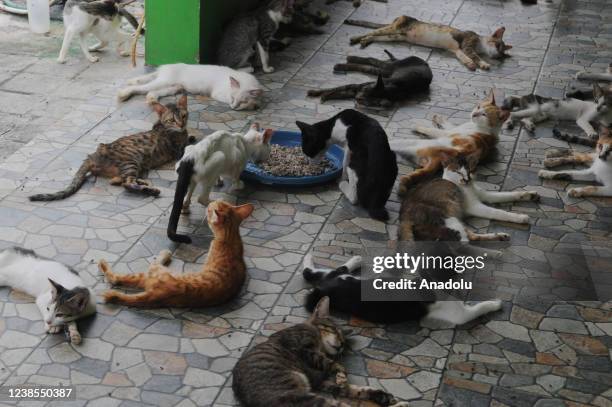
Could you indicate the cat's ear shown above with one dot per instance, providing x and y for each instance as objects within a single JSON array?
[
  {"x": 507, "y": 47},
  {"x": 267, "y": 136},
  {"x": 182, "y": 102},
  {"x": 244, "y": 211},
  {"x": 503, "y": 115},
  {"x": 56, "y": 288},
  {"x": 159, "y": 108},
  {"x": 304, "y": 127},
  {"x": 380, "y": 84},
  {"x": 492, "y": 97},
  {"x": 255, "y": 126},
  {"x": 216, "y": 217},
  {"x": 499, "y": 33},
  {"x": 321, "y": 310},
  {"x": 79, "y": 301},
  {"x": 256, "y": 93},
  {"x": 234, "y": 83},
  {"x": 597, "y": 90}
]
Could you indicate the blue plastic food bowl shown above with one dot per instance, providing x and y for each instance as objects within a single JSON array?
[{"x": 334, "y": 154}]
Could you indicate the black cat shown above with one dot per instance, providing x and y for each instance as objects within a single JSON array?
[
  {"x": 397, "y": 80},
  {"x": 369, "y": 168}
]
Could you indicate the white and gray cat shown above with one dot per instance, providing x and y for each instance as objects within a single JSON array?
[
  {"x": 222, "y": 155},
  {"x": 534, "y": 109},
  {"x": 240, "y": 90},
  {"x": 251, "y": 34},
  {"x": 102, "y": 18},
  {"x": 60, "y": 293}
]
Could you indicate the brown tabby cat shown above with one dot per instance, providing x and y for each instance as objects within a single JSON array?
[
  {"x": 219, "y": 281},
  {"x": 476, "y": 138},
  {"x": 294, "y": 365},
  {"x": 466, "y": 45},
  {"x": 126, "y": 159}
]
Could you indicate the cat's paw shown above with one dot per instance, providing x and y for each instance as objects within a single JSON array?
[
  {"x": 472, "y": 66},
  {"x": 61, "y": 60},
  {"x": 93, "y": 59},
  {"x": 123, "y": 95},
  {"x": 150, "y": 191},
  {"x": 151, "y": 98},
  {"x": 529, "y": 126},
  {"x": 52, "y": 329},
  {"x": 380, "y": 397},
  {"x": 124, "y": 53},
  {"x": 575, "y": 193},
  {"x": 495, "y": 305},
  {"x": 268, "y": 69},
  {"x": 546, "y": 174},
  {"x": 484, "y": 65},
  {"x": 524, "y": 219},
  {"x": 75, "y": 338},
  {"x": 530, "y": 196},
  {"x": 111, "y": 296},
  {"x": 502, "y": 237},
  {"x": 401, "y": 404},
  {"x": 438, "y": 121}
]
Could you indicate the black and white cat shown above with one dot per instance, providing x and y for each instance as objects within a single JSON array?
[
  {"x": 343, "y": 287},
  {"x": 102, "y": 18},
  {"x": 369, "y": 167},
  {"x": 60, "y": 293}
]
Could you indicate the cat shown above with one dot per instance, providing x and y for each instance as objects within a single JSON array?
[
  {"x": 369, "y": 167},
  {"x": 60, "y": 294},
  {"x": 240, "y": 90},
  {"x": 293, "y": 368},
  {"x": 303, "y": 22},
  {"x": 251, "y": 33},
  {"x": 126, "y": 159},
  {"x": 343, "y": 286},
  {"x": 466, "y": 45},
  {"x": 356, "y": 3},
  {"x": 572, "y": 138},
  {"x": 599, "y": 162},
  {"x": 431, "y": 207},
  {"x": 101, "y": 18},
  {"x": 222, "y": 154},
  {"x": 397, "y": 80},
  {"x": 220, "y": 280},
  {"x": 479, "y": 136},
  {"x": 535, "y": 109}
]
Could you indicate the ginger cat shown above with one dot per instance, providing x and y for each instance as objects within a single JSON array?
[
  {"x": 219, "y": 281},
  {"x": 476, "y": 138}
]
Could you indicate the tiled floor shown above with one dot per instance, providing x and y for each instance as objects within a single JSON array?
[{"x": 534, "y": 352}]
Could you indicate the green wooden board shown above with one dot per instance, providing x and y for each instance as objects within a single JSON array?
[{"x": 173, "y": 31}]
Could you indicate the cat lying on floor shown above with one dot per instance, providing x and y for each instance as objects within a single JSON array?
[
  {"x": 599, "y": 162},
  {"x": 369, "y": 168},
  {"x": 240, "y": 90},
  {"x": 343, "y": 287},
  {"x": 397, "y": 81},
  {"x": 61, "y": 295},
  {"x": 296, "y": 367},
  {"x": 534, "y": 109},
  {"x": 466, "y": 45},
  {"x": 219, "y": 281},
  {"x": 220, "y": 155},
  {"x": 101, "y": 18},
  {"x": 128, "y": 158}
]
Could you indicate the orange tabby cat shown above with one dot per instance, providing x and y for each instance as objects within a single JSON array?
[
  {"x": 476, "y": 138},
  {"x": 219, "y": 281}
]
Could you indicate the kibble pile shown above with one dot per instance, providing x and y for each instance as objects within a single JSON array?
[{"x": 291, "y": 162}]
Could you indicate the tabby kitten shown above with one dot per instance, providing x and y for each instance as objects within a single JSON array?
[
  {"x": 126, "y": 159},
  {"x": 293, "y": 367},
  {"x": 600, "y": 167},
  {"x": 219, "y": 281},
  {"x": 466, "y": 45},
  {"x": 251, "y": 33}
]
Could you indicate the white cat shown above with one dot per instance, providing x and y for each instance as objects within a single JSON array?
[
  {"x": 535, "y": 109},
  {"x": 100, "y": 18},
  {"x": 60, "y": 293},
  {"x": 240, "y": 90},
  {"x": 600, "y": 169},
  {"x": 221, "y": 155}
]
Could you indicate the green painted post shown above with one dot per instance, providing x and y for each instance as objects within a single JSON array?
[{"x": 173, "y": 32}]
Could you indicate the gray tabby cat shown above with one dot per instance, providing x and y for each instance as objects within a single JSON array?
[
  {"x": 251, "y": 33},
  {"x": 294, "y": 365}
]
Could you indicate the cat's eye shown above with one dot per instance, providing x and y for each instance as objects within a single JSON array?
[{"x": 59, "y": 315}]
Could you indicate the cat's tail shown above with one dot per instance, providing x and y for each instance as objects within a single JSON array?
[
  {"x": 572, "y": 138},
  {"x": 366, "y": 24},
  {"x": 185, "y": 172},
  {"x": 130, "y": 18},
  {"x": 75, "y": 185}
]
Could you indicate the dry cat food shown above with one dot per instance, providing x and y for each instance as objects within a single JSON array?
[{"x": 291, "y": 162}]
